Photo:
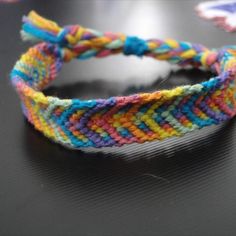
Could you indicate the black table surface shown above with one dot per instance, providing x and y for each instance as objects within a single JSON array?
[{"x": 181, "y": 186}]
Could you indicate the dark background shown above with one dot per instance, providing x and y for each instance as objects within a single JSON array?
[{"x": 181, "y": 186}]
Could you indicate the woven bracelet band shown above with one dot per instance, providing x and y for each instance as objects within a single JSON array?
[{"x": 119, "y": 120}]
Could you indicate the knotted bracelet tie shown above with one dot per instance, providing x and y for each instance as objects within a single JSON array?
[{"x": 119, "y": 120}]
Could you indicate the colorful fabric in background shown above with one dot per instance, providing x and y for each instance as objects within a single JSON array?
[
  {"x": 10, "y": 1},
  {"x": 222, "y": 13},
  {"x": 116, "y": 121}
]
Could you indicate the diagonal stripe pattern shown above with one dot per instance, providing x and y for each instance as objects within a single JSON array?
[{"x": 119, "y": 120}]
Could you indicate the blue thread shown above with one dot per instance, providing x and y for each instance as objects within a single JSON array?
[
  {"x": 135, "y": 46},
  {"x": 22, "y": 75},
  {"x": 39, "y": 33},
  {"x": 61, "y": 37}
]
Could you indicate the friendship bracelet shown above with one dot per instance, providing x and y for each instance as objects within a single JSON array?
[{"x": 122, "y": 119}]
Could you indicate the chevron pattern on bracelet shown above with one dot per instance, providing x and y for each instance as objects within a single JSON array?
[{"x": 119, "y": 120}]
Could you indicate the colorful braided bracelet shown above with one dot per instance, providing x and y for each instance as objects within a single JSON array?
[{"x": 119, "y": 120}]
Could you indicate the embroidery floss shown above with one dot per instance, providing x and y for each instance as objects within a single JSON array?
[{"x": 119, "y": 120}]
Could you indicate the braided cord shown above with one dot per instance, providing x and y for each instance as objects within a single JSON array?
[{"x": 119, "y": 120}]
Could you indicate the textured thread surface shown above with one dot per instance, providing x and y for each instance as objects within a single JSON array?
[{"x": 119, "y": 120}]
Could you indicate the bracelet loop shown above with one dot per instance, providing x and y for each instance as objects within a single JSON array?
[{"x": 119, "y": 120}]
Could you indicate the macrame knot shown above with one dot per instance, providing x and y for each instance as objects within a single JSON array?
[
  {"x": 135, "y": 46},
  {"x": 68, "y": 36},
  {"x": 61, "y": 37}
]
